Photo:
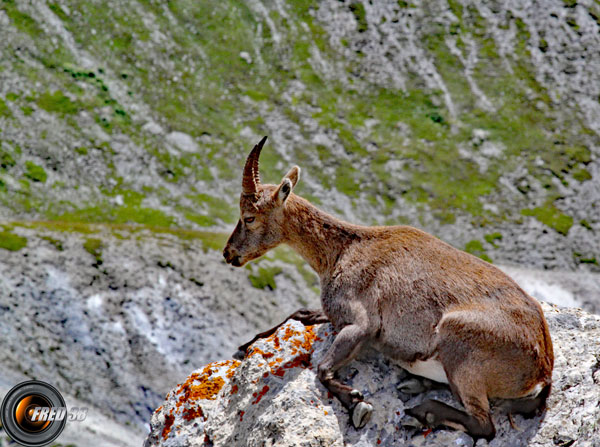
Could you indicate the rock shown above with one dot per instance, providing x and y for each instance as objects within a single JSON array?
[
  {"x": 182, "y": 141},
  {"x": 273, "y": 397},
  {"x": 246, "y": 57},
  {"x": 153, "y": 128}
]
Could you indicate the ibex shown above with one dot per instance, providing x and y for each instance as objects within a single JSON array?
[{"x": 439, "y": 312}]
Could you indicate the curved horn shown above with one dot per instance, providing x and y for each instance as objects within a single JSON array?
[{"x": 251, "y": 177}]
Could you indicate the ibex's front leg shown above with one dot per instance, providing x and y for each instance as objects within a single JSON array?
[
  {"x": 345, "y": 347},
  {"x": 304, "y": 316}
]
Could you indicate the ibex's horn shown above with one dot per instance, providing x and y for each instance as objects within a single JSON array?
[{"x": 251, "y": 178}]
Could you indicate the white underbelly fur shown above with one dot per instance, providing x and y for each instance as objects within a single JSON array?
[{"x": 431, "y": 368}]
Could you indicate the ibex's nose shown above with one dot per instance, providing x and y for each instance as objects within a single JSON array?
[
  {"x": 226, "y": 253},
  {"x": 231, "y": 257}
]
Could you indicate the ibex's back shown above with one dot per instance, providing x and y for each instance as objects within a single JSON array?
[{"x": 440, "y": 312}]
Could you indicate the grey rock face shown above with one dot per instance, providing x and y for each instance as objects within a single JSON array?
[
  {"x": 273, "y": 397},
  {"x": 113, "y": 317}
]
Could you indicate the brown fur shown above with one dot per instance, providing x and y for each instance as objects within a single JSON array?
[{"x": 411, "y": 296}]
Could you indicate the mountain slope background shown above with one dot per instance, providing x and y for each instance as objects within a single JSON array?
[
  {"x": 478, "y": 121},
  {"x": 124, "y": 126}
]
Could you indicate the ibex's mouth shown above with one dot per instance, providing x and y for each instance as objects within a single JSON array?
[{"x": 233, "y": 260}]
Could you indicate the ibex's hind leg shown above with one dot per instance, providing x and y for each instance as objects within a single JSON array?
[
  {"x": 528, "y": 407},
  {"x": 305, "y": 316},
  {"x": 345, "y": 347},
  {"x": 434, "y": 413},
  {"x": 467, "y": 376},
  {"x": 476, "y": 421}
]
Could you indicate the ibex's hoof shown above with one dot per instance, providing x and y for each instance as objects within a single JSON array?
[
  {"x": 361, "y": 414},
  {"x": 357, "y": 394},
  {"x": 411, "y": 421},
  {"x": 411, "y": 386},
  {"x": 423, "y": 413}
]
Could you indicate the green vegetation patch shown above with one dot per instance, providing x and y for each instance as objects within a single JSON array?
[
  {"x": 358, "y": 9},
  {"x": 21, "y": 20},
  {"x": 551, "y": 216},
  {"x": 582, "y": 175},
  {"x": 475, "y": 247},
  {"x": 492, "y": 238},
  {"x": 94, "y": 247},
  {"x": 4, "y": 109},
  {"x": 131, "y": 211},
  {"x": 11, "y": 241},
  {"x": 58, "y": 103},
  {"x": 286, "y": 254},
  {"x": 264, "y": 277},
  {"x": 6, "y": 159},
  {"x": 35, "y": 172},
  {"x": 55, "y": 242}
]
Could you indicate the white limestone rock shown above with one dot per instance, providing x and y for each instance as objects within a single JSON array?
[{"x": 273, "y": 397}]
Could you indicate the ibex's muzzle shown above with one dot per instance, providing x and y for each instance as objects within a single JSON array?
[{"x": 231, "y": 258}]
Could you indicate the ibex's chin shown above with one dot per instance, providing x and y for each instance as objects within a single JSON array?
[
  {"x": 236, "y": 262},
  {"x": 438, "y": 311},
  {"x": 232, "y": 259}
]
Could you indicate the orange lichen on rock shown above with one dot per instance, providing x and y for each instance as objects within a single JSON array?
[
  {"x": 260, "y": 395},
  {"x": 169, "y": 419},
  {"x": 266, "y": 355},
  {"x": 231, "y": 371},
  {"x": 234, "y": 389},
  {"x": 279, "y": 372},
  {"x": 289, "y": 333},
  {"x": 309, "y": 338},
  {"x": 205, "y": 385},
  {"x": 208, "y": 389},
  {"x": 301, "y": 344},
  {"x": 192, "y": 413},
  {"x": 301, "y": 360}
]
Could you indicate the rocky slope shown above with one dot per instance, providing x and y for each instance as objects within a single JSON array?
[
  {"x": 476, "y": 120},
  {"x": 273, "y": 397},
  {"x": 112, "y": 316}
]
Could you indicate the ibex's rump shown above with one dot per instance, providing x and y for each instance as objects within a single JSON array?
[{"x": 438, "y": 311}]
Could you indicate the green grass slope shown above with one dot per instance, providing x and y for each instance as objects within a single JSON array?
[{"x": 143, "y": 111}]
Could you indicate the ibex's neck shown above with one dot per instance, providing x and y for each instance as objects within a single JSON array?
[{"x": 317, "y": 236}]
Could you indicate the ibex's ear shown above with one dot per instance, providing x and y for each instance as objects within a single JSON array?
[
  {"x": 294, "y": 175},
  {"x": 283, "y": 191},
  {"x": 288, "y": 182}
]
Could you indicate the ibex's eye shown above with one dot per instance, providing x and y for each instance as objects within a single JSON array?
[{"x": 249, "y": 219}]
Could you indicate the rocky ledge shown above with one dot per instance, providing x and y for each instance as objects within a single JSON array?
[{"x": 274, "y": 398}]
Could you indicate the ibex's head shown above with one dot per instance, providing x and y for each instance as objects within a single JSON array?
[{"x": 260, "y": 227}]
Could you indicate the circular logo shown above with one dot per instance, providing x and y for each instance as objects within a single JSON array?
[{"x": 33, "y": 413}]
